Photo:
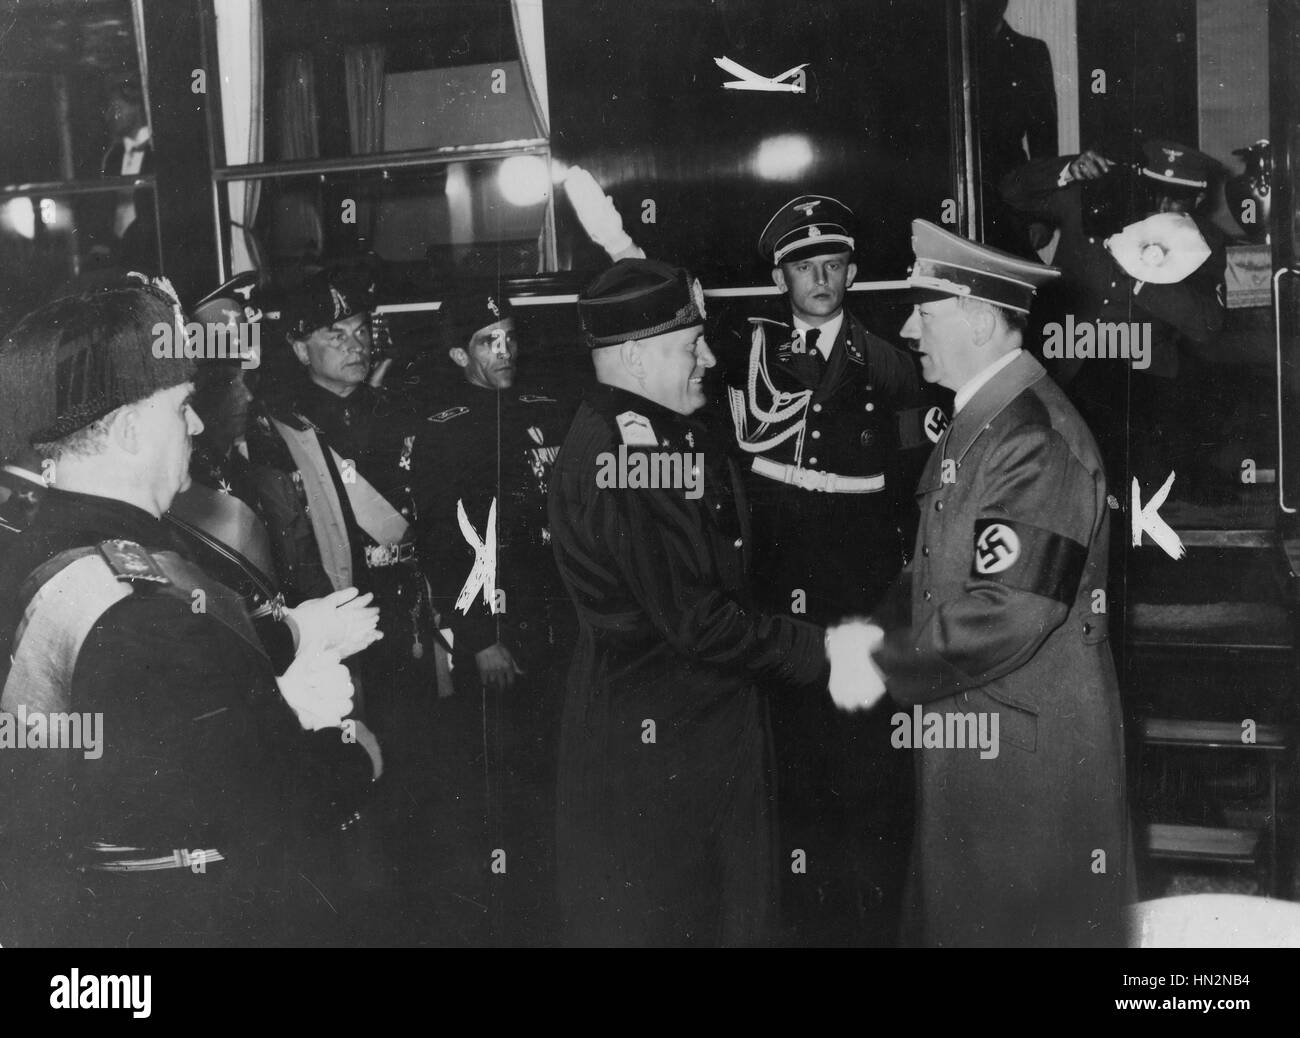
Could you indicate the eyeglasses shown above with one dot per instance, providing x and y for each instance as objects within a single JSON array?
[{"x": 343, "y": 340}]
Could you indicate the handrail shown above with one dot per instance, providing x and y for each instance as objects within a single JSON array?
[{"x": 1277, "y": 336}]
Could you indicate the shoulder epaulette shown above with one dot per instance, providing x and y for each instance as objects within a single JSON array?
[{"x": 449, "y": 414}]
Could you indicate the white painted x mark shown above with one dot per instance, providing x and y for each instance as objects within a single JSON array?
[{"x": 484, "y": 573}]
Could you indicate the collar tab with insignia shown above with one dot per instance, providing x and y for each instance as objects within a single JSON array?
[
  {"x": 131, "y": 564},
  {"x": 636, "y": 430},
  {"x": 449, "y": 414}
]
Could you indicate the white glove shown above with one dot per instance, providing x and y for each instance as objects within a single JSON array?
[
  {"x": 1162, "y": 249},
  {"x": 595, "y": 211},
  {"x": 856, "y": 683},
  {"x": 319, "y": 688},
  {"x": 340, "y": 622}
]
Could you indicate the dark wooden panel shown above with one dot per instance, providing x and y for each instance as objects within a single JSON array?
[
  {"x": 636, "y": 98},
  {"x": 1148, "y": 54}
]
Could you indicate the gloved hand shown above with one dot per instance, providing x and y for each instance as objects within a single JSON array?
[
  {"x": 318, "y": 688},
  {"x": 340, "y": 622},
  {"x": 1162, "y": 249},
  {"x": 856, "y": 683},
  {"x": 595, "y": 211}
]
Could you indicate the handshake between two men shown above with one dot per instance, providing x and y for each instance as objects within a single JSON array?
[{"x": 856, "y": 682}]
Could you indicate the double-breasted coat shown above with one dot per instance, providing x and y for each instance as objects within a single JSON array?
[{"x": 1027, "y": 847}]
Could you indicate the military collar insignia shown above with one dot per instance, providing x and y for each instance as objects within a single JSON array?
[
  {"x": 306, "y": 423},
  {"x": 636, "y": 430},
  {"x": 449, "y": 414},
  {"x": 131, "y": 564}
]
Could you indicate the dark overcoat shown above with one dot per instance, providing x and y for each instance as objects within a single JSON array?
[{"x": 664, "y": 834}]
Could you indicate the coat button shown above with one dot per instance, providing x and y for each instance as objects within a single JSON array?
[
  {"x": 1087, "y": 627},
  {"x": 868, "y": 438},
  {"x": 816, "y": 434},
  {"x": 817, "y": 408},
  {"x": 925, "y": 550},
  {"x": 927, "y": 596},
  {"x": 812, "y": 461},
  {"x": 739, "y": 542},
  {"x": 869, "y": 406},
  {"x": 938, "y": 506}
]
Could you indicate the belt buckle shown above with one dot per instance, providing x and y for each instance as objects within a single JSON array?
[
  {"x": 807, "y": 479},
  {"x": 379, "y": 555}
]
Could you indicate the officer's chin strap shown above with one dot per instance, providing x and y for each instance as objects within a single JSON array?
[{"x": 784, "y": 405}]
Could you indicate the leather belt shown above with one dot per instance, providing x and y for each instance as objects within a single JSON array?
[
  {"x": 811, "y": 479},
  {"x": 381, "y": 555}
]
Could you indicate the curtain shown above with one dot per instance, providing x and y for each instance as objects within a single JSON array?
[
  {"x": 531, "y": 37},
  {"x": 240, "y": 57},
  {"x": 297, "y": 228},
  {"x": 295, "y": 98},
  {"x": 1054, "y": 22},
  {"x": 530, "y": 34},
  {"x": 363, "y": 67}
]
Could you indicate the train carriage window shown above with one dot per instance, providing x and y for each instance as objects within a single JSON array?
[
  {"x": 419, "y": 131},
  {"x": 76, "y": 174}
]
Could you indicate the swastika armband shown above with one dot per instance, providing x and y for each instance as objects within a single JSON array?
[
  {"x": 920, "y": 426},
  {"x": 1028, "y": 558}
]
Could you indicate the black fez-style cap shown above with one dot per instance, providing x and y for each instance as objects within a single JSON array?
[
  {"x": 638, "y": 299},
  {"x": 318, "y": 302},
  {"x": 810, "y": 225},
  {"x": 949, "y": 265},
  {"x": 464, "y": 311},
  {"x": 75, "y": 360},
  {"x": 1177, "y": 166}
]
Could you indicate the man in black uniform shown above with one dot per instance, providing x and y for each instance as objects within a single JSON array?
[
  {"x": 482, "y": 467},
  {"x": 1162, "y": 408},
  {"x": 332, "y": 464},
  {"x": 332, "y": 458},
  {"x": 663, "y": 826},
  {"x": 1016, "y": 120},
  {"x": 188, "y": 823},
  {"x": 838, "y": 428}
]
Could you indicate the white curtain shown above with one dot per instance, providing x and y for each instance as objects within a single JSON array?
[
  {"x": 530, "y": 33},
  {"x": 531, "y": 36},
  {"x": 1055, "y": 23},
  {"x": 239, "y": 54}
]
